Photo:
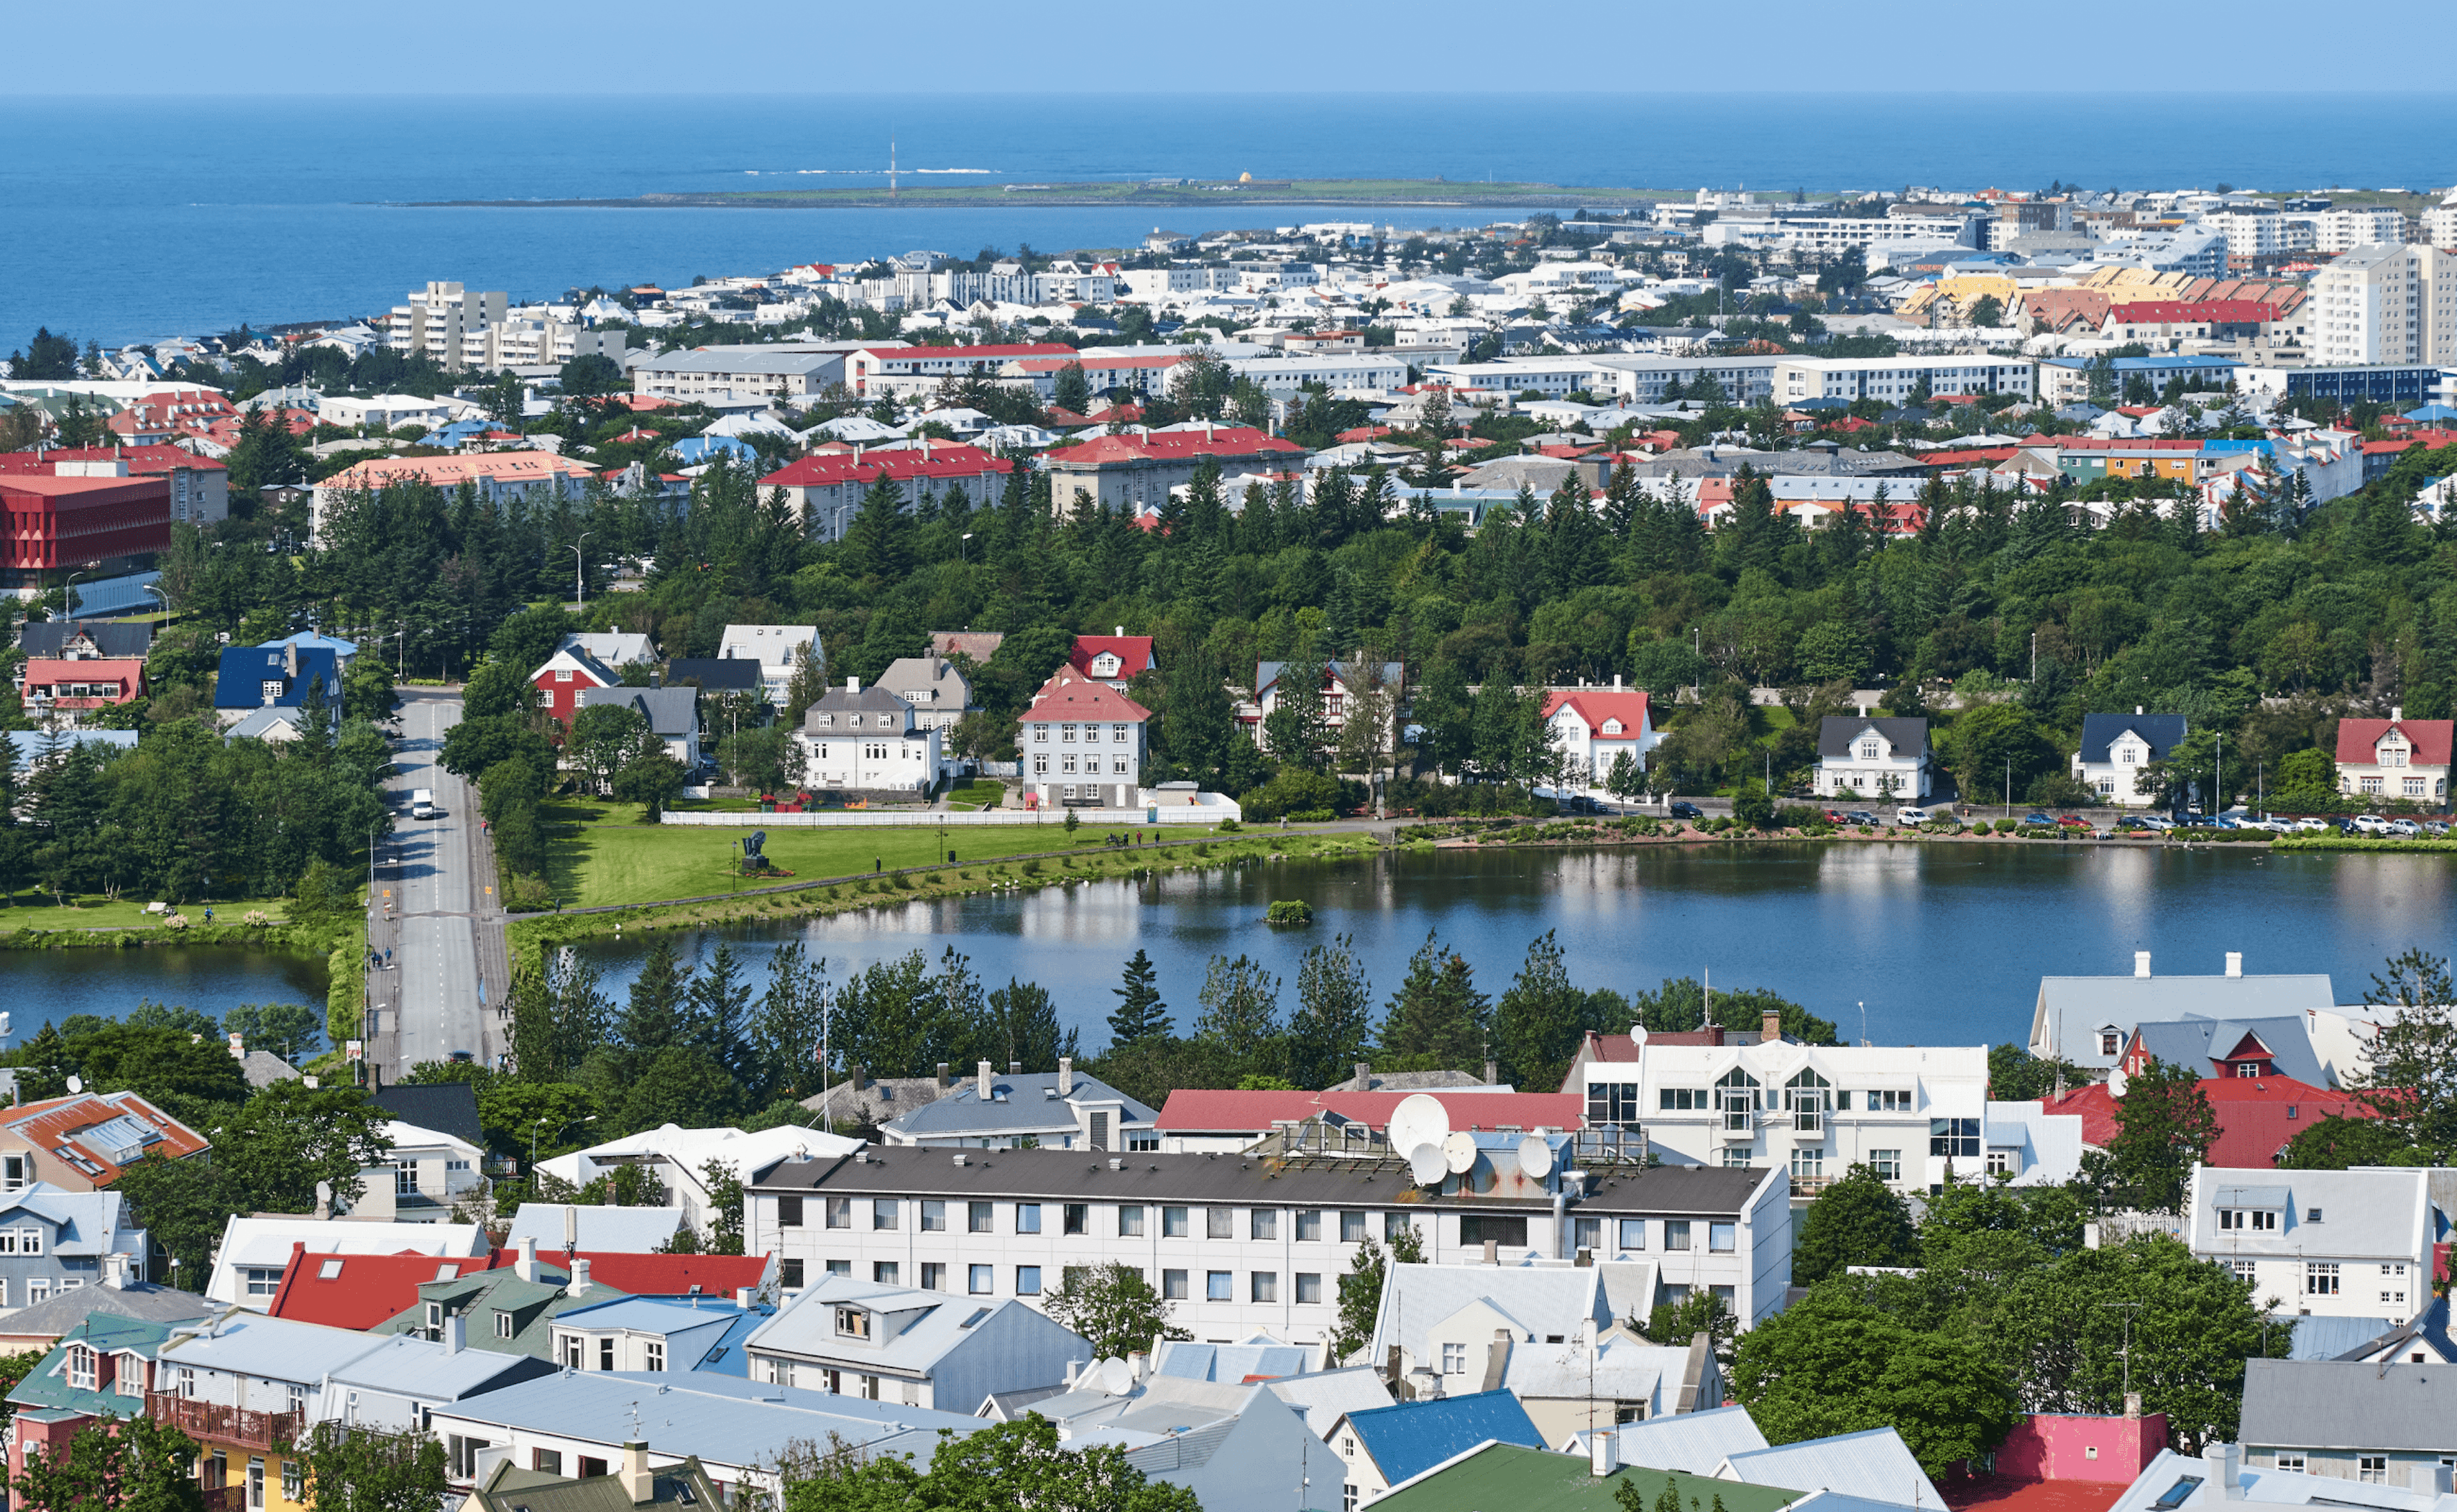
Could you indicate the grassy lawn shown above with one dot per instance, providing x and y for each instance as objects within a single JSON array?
[
  {"x": 29, "y": 910},
  {"x": 977, "y": 792}
]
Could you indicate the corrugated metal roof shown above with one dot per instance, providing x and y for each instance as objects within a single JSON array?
[
  {"x": 1506, "y": 1478},
  {"x": 1875, "y": 1463},
  {"x": 724, "y": 1421},
  {"x": 2076, "y": 1009},
  {"x": 1408, "y": 1437},
  {"x": 2347, "y": 1404},
  {"x": 1327, "y": 1395},
  {"x": 1019, "y": 1102},
  {"x": 1696, "y": 1442}
]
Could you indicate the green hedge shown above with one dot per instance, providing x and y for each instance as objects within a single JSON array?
[{"x": 2359, "y": 842}]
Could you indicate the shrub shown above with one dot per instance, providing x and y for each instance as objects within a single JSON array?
[
  {"x": 1229, "y": 827},
  {"x": 1313, "y": 817},
  {"x": 1289, "y": 911},
  {"x": 1032, "y": 867},
  {"x": 1073, "y": 823}
]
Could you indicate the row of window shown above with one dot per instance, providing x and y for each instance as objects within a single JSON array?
[
  {"x": 1120, "y": 733},
  {"x": 1307, "y": 1226},
  {"x": 981, "y": 1280},
  {"x": 1738, "y": 1092},
  {"x": 1118, "y": 765}
]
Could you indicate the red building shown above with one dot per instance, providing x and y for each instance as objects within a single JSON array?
[
  {"x": 56, "y": 524},
  {"x": 564, "y": 673},
  {"x": 199, "y": 485},
  {"x": 826, "y": 487},
  {"x": 83, "y": 682}
]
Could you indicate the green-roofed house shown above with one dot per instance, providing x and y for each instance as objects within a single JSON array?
[
  {"x": 508, "y": 1487},
  {"x": 499, "y": 1310},
  {"x": 100, "y": 1371},
  {"x": 1506, "y": 1478}
]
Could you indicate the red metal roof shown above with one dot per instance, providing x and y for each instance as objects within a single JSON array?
[
  {"x": 887, "y": 354},
  {"x": 1200, "y": 1110},
  {"x": 1173, "y": 446},
  {"x": 2169, "y": 312},
  {"x": 2430, "y": 737},
  {"x": 362, "y": 1289},
  {"x": 821, "y": 468},
  {"x": 1595, "y": 705},
  {"x": 54, "y": 1128},
  {"x": 141, "y": 461},
  {"x": 2257, "y": 1115},
  {"x": 1134, "y": 654},
  {"x": 662, "y": 1274},
  {"x": 1068, "y": 696},
  {"x": 2112, "y": 443}
]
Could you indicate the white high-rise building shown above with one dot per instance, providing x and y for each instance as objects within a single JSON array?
[
  {"x": 2392, "y": 304},
  {"x": 447, "y": 323}
]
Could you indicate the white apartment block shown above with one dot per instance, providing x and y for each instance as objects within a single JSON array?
[
  {"x": 1240, "y": 1246},
  {"x": 1914, "y": 1115},
  {"x": 1893, "y": 379},
  {"x": 2259, "y": 233},
  {"x": 441, "y": 321},
  {"x": 526, "y": 340},
  {"x": 2353, "y": 1243},
  {"x": 1624, "y": 379},
  {"x": 2385, "y": 304},
  {"x": 723, "y": 373},
  {"x": 1286, "y": 377},
  {"x": 1830, "y": 234},
  {"x": 2346, "y": 228},
  {"x": 2440, "y": 225}
]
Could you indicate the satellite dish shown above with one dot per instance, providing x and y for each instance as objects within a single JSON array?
[
  {"x": 1419, "y": 1120},
  {"x": 1428, "y": 1164},
  {"x": 1458, "y": 1151},
  {"x": 76, "y": 1084},
  {"x": 2117, "y": 1081},
  {"x": 1117, "y": 1377},
  {"x": 1535, "y": 1157}
]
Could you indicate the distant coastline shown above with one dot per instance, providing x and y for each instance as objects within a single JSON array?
[{"x": 1412, "y": 194}]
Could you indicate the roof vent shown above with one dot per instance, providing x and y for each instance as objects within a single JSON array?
[
  {"x": 2235, "y": 963},
  {"x": 962, "y": 1159},
  {"x": 2141, "y": 963}
]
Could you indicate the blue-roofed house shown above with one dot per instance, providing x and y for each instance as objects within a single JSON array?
[
  {"x": 317, "y": 640},
  {"x": 693, "y": 452},
  {"x": 658, "y": 1334},
  {"x": 2208, "y": 1046},
  {"x": 1383, "y": 1447},
  {"x": 254, "y": 678},
  {"x": 2116, "y": 750},
  {"x": 2422, "y": 1340},
  {"x": 925, "y": 1346},
  {"x": 1056, "y": 1110}
]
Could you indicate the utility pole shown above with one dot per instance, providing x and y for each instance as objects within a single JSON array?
[
  {"x": 2127, "y": 1309},
  {"x": 579, "y": 582},
  {"x": 2008, "y": 787}
]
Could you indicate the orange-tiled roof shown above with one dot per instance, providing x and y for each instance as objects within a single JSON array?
[
  {"x": 71, "y": 1131},
  {"x": 1069, "y": 695},
  {"x": 540, "y": 467}
]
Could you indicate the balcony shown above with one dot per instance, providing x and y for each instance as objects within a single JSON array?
[
  {"x": 212, "y": 1423},
  {"x": 230, "y": 1498}
]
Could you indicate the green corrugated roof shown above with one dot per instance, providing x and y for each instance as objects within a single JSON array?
[
  {"x": 479, "y": 1295},
  {"x": 1507, "y": 1478},
  {"x": 46, "y": 1385}
]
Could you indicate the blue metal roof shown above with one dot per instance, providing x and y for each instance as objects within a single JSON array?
[
  {"x": 2164, "y": 731},
  {"x": 245, "y": 669},
  {"x": 1410, "y": 1436},
  {"x": 1020, "y": 1102}
]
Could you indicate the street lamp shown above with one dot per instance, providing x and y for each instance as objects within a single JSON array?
[
  {"x": 959, "y": 545},
  {"x": 579, "y": 582}
]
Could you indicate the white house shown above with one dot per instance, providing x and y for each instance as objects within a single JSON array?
[
  {"x": 775, "y": 647},
  {"x": 1235, "y": 1445},
  {"x": 1453, "y": 1325},
  {"x": 2118, "y": 749},
  {"x": 865, "y": 740},
  {"x": 679, "y": 1158},
  {"x": 424, "y": 1174},
  {"x": 2351, "y": 1243},
  {"x": 1592, "y": 727},
  {"x": 1913, "y": 1114},
  {"x": 2087, "y": 1021},
  {"x": 249, "y": 1262},
  {"x": 895, "y": 1343},
  {"x": 1861, "y": 757},
  {"x": 2386, "y": 760},
  {"x": 1082, "y": 742}
]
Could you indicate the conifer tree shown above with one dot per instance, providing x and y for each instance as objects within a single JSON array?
[
  {"x": 1140, "y": 1015},
  {"x": 1437, "y": 1019}
]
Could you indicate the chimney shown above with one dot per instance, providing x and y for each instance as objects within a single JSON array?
[
  {"x": 2142, "y": 963},
  {"x": 860, "y": 1076},
  {"x": 852, "y": 684},
  {"x": 2396, "y": 713},
  {"x": 1616, "y": 682},
  {"x": 1120, "y": 633},
  {"x": 2137, "y": 710},
  {"x": 1015, "y": 1068},
  {"x": 1771, "y": 1026},
  {"x": 746, "y": 1296},
  {"x": 982, "y": 1080},
  {"x": 1392, "y": 1373},
  {"x": 1603, "y": 1452},
  {"x": 1141, "y": 1362},
  {"x": 2133, "y": 1406},
  {"x": 238, "y": 1047},
  {"x": 1496, "y": 1359},
  {"x": 570, "y": 1229},
  {"x": 2235, "y": 963},
  {"x": 637, "y": 1482},
  {"x": 525, "y": 1267},
  {"x": 114, "y": 1272},
  {"x": 2225, "y": 1465},
  {"x": 1493, "y": 1252},
  {"x": 1492, "y": 1072},
  {"x": 945, "y": 1080},
  {"x": 1365, "y": 1076},
  {"x": 1714, "y": 1034},
  {"x": 580, "y": 1282},
  {"x": 456, "y": 1333},
  {"x": 1066, "y": 1076}
]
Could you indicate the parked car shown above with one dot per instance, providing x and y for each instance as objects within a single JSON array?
[
  {"x": 1908, "y": 816},
  {"x": 1832, "y": 818},
  {"x": 2437, "y": 829},
  {"x": 1683, "y": 809},
  {"x": 2158, "y": 821},
  {"x": 1861, "y": 817},
  {"x": 2035, "y": 817},
  {"x": 2405, "y": 829},
  {"x": 2074, "y": 822},
  {"x": 2367, "y": 825},
  {"x": 2314, "y": 826}
]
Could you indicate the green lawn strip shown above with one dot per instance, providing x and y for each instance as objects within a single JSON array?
[
  {"x": 2357, "y": 842},
  {"x": 37, "y": 911}
]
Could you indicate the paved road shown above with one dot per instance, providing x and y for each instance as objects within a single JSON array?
[{"x": 445, "y": 930}]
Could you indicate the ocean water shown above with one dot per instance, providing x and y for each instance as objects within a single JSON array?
[{"x": 143, "y": 218}]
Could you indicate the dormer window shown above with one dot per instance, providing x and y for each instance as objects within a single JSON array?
[
  {"x": 2106, "y": 1042},
  {"x": 2254, "y": 1219},
  {"x": 1869, "y": 750},
  {"x": 851, "y": 1322},
  {"x": 1612, "y": 726}
]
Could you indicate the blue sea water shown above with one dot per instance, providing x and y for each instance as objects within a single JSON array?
[{"x": 135, "y": 218}]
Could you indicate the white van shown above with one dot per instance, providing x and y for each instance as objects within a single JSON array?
[
  {"x": 421, "y": 803},
  {"x": 1911, "y": 817}
]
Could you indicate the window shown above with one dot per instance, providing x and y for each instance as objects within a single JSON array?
[
  {"x": 2291, "y": 1460},
  {"x": 1263, "y": 1223},
  {"x": 882, "y": 1212},
  {"x": 933, "y": 1215},
  {"x": 547, "y": 1461},
  {"x": 885, "y": 1272},
  {"x": 1586, "y": 1233},
  {"x": 14, "y": 1172},
  {"x": 2247, "y": 1218},
  {"x": 1808, "y": 1163},
  {"x": 1885, "y": 1100},
  {"x": 1725, "y": 1294},
  {"x": 1454, "y": 1359},
  {"x": 260, "y": 1281},
  {"x": 1067, "y": 733},
  {"x": 2319, "y": 1279},
  {"x": 1027, "y": 1217},
  {"x": 1720, "y": 1237},
  {"x": 502, "y": 1324},
  {"x": 1612, "y": 1102},
  {"x": 933, "y": 1276},
  {"x": 1352, "y": 1228},
  {"x": 1675, "y": 1234},
  {"x": 976, "y": 1280},
  {"x": 839, "y": 1268},
  {"x": 570, "y": 1350},
  {"x": 605, "y": 1352},
  {"x": 2372, "y": 1469},
  {"x": 789, "y": 1213},
  {"x": 1348, "y": 1497},
  {"x": 1954, "y": 1137},
  {"x": 1735, "y": 1094},
  {"x": 1172, "y": 1223},
  {"x": 977, "y": 1217},
  {"x": 1509, "y": 1231},
  {"x": 1736, "y": 1158},
  {"x": 656, "y": 1354},
  {"x": 1633, "y": 1234},
  {"x": 840, "y": 1213},
  {"x": 2311, "y": 1215},
  {"x": 1309, "y": 1286},
  {"x": 789, "y": 1273},
  {"x": 1027, "y": 1280},
  {"x": 1310, "y": 1226},
  {"x": 1807, "y": 1097},
  {"x": 2106, "y": 1042},
  {"x": 1130, "y": 1221},
  {"x": 293, "y": 1480},
  {"x": 405, "y": 1178},
  {"x": 1076, "y": 1217},
  {"x": 1172, "y": 1286},
  {"x": 1264, "y": 1285},
  {"x": 1393, "y": 1225},
  {"x": 1219, "y": 1286},
  {"x": 1219, "y": 1223},
  {"x": 1680, "y": 1099},
  {"x": 81, "y": 1367}
]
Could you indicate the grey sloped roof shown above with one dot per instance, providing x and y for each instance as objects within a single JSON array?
[
  {"x": 1026, "y": 1105},
  {"x": 877, "y": 1099},
  {"x": 1327, "y": 1395},
  {"x": 2347, "y": 1404},
  {"x": 722, "y": 1418},
  {"x": 1875, "y": 1463},
  {"x": 2164, "y": 731},
  {"x": 1621, "y": 1369},
  {"x": 670, "y": 711},
  {"x": 2073, "y": 1009},
  {"x": 2430, "y": 1326},
  {"x": 449, "y": 1107},
  {"x": 1836, "y": 731},
  {"x": 2195, "y": 1042},
  {"x": 44, "y": 637},
  {"x": 65, "y": 1311},
  {"x": 623, "y": 1231},
  {"x": 715, "y": 674},
  {"x": 263, "y": 1069},
  {"x": 1694, "y": 1442},
  {"x": 1569, "y": 1300},
  {"x": 806, "y": 1326}
]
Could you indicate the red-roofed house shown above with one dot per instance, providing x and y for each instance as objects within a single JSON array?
[
  {"x": 559, "y": 682},
  {"x": 825, "y": 489},
  {"x": 82, "y": 682},
  {"x": 1144, "y": 373},
  {"x": 2189, "y": 320},
  {"x": 2257, "y": 1116},
  {"x": 1114, "y": 659},
  {"x": 2394, "y": 758},
  {"x": 360, "y": 1291},
  {"x": 1082, "y": 743},
  {"x": 1595, "y": 727},
  {"x": 199, "y": 485},
  {"x": 82, "y": 1142},
  {"x": 1134, "y": 474},
  {"x": 170, "y": 412},
  {"x": 1195, "y": 1119}
]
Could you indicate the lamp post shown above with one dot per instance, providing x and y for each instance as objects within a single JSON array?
[
  {"x": 579, "y": 582},
  {"x": 961, "y": 549}
]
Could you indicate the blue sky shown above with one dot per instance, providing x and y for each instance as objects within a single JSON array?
[{"x": 181, "y": 47}]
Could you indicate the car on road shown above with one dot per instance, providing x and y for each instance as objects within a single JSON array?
[
  {"x": 1683, "y": 809},
  {"x": 2074, "y": 822},
  {"x": 1911, "y": 816},
  {"x": 1861, "y": 817},
  {"x": 421, "y": 803},
  {"x": 2035, "y": 817},
  {"x": 2157, "y": 821}
]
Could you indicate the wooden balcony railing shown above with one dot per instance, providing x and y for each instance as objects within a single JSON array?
[{"x": 210, "y": 1422}]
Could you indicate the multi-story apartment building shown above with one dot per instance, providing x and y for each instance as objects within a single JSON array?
[
  {"x": 1892, "y": 379},
  {"x": 1245, "y": 1243},
  {"x": 908, "y": 371},
  {"x": 1916, "y": 1115},
  {"x": 737, "y": 373},
  {"x": 1745, "y": 380},
  {"x": 442, "y": 320},
  {"x": 825, "y": 489},
  {"x": 529, "y": 339},
  {"x": 1082, "y": 742},
  {"x": 2351, "y": 1243},
  {"x": 2385, "y": 304},
  {"x": 2346, "y": 227}
]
